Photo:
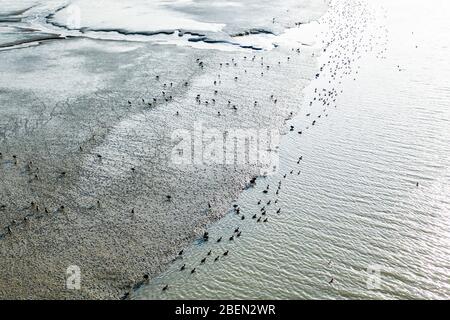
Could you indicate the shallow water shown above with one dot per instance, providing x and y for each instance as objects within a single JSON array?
[{"x": 354, "y": 214}]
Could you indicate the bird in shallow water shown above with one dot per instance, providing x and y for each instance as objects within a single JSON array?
[{"x": 165, "y": 288}]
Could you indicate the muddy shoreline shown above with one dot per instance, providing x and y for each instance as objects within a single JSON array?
[{"x": 87, "y": 170}]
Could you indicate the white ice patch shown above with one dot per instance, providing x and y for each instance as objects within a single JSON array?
[
  {"x": 305, "y": 34},
  {"x": 132, "y": 16}
]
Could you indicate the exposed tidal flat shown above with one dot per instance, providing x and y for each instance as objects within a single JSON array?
[{"x": 87, "y": 124}]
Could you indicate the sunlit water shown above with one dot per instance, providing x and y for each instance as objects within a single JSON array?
[{"x": 354, "y": 216}]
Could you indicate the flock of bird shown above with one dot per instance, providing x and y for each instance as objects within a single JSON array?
[{"x": 344, "y": 44}]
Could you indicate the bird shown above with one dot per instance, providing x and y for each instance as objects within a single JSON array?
[
  {"x": 180, "y": 253},
  {"x": 183, "y": 267},
  {"x": 203, "y": 261},
  {"x": 225, "y": 253},
  {"x": 193, "y": 271},
  {"x": 220, "y": 239},
  {"x": 165, "y": 288}
]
